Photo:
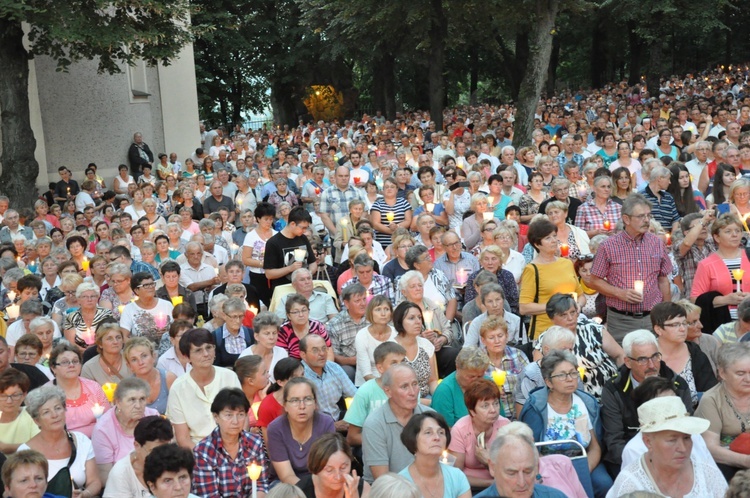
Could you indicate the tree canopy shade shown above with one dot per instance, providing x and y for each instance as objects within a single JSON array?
[{"x": 112, "y": 32}]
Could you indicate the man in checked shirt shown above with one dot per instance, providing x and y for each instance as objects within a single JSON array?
[{"x": 631, "y": 270}]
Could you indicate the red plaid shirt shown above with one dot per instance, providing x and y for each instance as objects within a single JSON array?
[
  {"x": 216, "y": 474},
  {"x": 588, "y": 216},
  {"x": 622, "y": 260}
]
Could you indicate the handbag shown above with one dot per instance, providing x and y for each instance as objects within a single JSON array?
[{"x": 62, "y": 483}]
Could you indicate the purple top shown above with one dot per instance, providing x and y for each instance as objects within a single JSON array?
[{"x": 287, "y": 449}]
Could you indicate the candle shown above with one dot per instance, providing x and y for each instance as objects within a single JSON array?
[
  {"x": 317, "y": 190},
  {"x": 12, "y": 311},
  {"x": 356, "y": 181},
  {"x": 499, "y": 377},
  {"x": 235, "y": 249},
  {"x": 429, "y": 207},
  {"x": 89, "y": 336},
  {"x": 638, "y": 286},
  {"x": 607, "y": 225},
  {"x": 12, "y": 296},
  {"x": 253, "y": 472},
  {"x": 216, "y": 270},
  {"x": 574, "y": 295},
  {"x": 160, "y": 320},
  {"x": 427, "y": 314},
  {"x": 737, "y": 275},
  {"x": 109, "y": 390},
  {"x": 299, "y": 255},
  {"x": 564, "y": 250},
  {"x": 348, "y": 402},
  {"x": 32, "y": 266},
  {"x": 176, "y": 300},
  {"x": 254, "y": 407},
  {"x": 490, "y": 200},
  {"x": 487, "y": 216},
  {"x": 120, "y": 308},
  {"x": 151, "y": 229},
  {"x": 669, "y": 239},
  {"x": 462, "y": 276},
  {"x": 390, "y": 216},
  {"x": 85, "y": 264},
  {"x": 253, "y": 310},
  {"x": 581, "y": 371},
  {"x": 98, "y": 410}
]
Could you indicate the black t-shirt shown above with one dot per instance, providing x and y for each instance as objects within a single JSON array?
[
  {"x": 280, "y": 254},
  {"x": 211, "y": 205}
]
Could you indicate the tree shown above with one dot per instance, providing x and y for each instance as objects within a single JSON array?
[{"x": 113, "y": 33}]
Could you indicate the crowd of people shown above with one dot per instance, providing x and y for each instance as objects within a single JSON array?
[{"x": 379, "y": 308}]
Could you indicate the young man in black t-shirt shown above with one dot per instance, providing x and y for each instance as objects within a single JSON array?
[{"x": 289, "y": 250}]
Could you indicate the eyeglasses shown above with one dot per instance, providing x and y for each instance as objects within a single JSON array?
[
  {"x": 566, "y": 375},
  {"x": 644, "y": 360},
  {"x": 307, "y": 401},
  {"x": 11, "y": 397},
  {"x": 66, "y": 363},
  {"x": 151, "y": 285},
  {"x": 679, "y": 325},
  {"x": 454, "y": 244},
  {"x": 299, "y": 312}
]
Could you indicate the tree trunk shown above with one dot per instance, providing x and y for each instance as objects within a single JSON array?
[
  {"x": 552, "y": 72},
  {"x": 474, "y": 75},
  {"x": 634, "y": 42},
  {"x": 540, "y": 50},
  {"x": 378, "y": 88},
  {"x": 438, "y": 29},
  {"x": 237, "y": 97},
  {"x": 19, "y": 167},
  {"x": 282, "y": 103}
]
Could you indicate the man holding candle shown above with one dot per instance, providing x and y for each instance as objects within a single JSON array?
[
  {"x": 283, "y": 250},
  {"x": 334, "y": 201},
  {"x": 633, "y": 254},
  {"x": 454, "y": 261},
  {"x": 198, "y": 276}
]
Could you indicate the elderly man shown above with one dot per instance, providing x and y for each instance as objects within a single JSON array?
[
  {"x": 342, "y": 329},
  {"x": 699, "y": 163},
  {"x": 437, "y": 286},
  {"x": 322, "y": 306},
  {"x": 13, "y": 229},
  {"x": 216, "y": 200},
  {"x": 633, "y": 255},
  {"x": 455, "y": 259},
  {"x": 561, "y": 192},
  {"x": 334, "y": 202},
  {"x": 508, "y": 160},
  {"x": 364, "y": 274},
  {"x": 198, "y": 276},
  {"x": 328, "y": 376},
  {"x": 568, "y": 154},
  {"x": 664, "y": 207},
  {"x": 619, "y": 415},
  {"x": 139, "y": 154},
  {"x": 514, "y": 464},
  {"x": 211, "y": 241},
  {"x": 382, "y": 448}
]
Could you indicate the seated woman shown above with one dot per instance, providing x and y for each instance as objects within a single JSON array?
[
  {"x": 16, "y": 425},
  {"x": 232, "y": 338},
  {"x": 172, "y": 360},
  {"x": 241, "y": 449},
  {"x": 448, "y": 399},
  {"x": 296, "y": 430},
  {"x": 272, "y": 405},
  {"x": 426, "y": 436},
  {"x": 472, "y": 434},
  {"x": 420, "y": 353},
  {"x": 110, "y": 364},
  {"x": 140, "y": 354},
  {"x": 253, "y": 376},
  {"x": 298, "y": 325},
  {"x": 506, "y": 363},
  {"x": 379, "y": 314},
  {"x": 82, "y": 394},
  {"x": 266, "y": 332},
  {"x": 113, "y": 435},
  {"x": 474, "y": 308},
  {"x": 561, "y": 411},
  {"x": 25, "y": 474},
  {"x": 669, "y": 467},
  {"x": 28, "y": 351},
  {"x": 69, "y": 453},
  {"x": 79, "y": 325},
  {"x": 168, "y": 472},
  {"x": 330, "y": 465}
]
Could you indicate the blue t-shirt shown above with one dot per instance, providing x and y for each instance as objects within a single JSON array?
[
  {"x": 540, "y": 491},
  {"x": 437, "y": 210},
  {"x": 455, "y": 482}
]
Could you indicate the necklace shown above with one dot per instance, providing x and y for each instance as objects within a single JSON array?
[{"x": 424, "y": 483}]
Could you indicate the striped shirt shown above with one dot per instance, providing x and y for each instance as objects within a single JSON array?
[
  {"x": 663, "y": 209},
  {"x": 589, "y": 217},
  {"x": 399, "y": 209}
]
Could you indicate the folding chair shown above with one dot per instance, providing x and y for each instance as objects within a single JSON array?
[{"x": 580, "y": 463}]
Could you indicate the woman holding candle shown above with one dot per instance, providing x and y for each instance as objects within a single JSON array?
[
  {"x": 241, "y": 449},
  {"x": 573, "y": 240},
  {"x": 427, "y": 436},
  {"x": 434, "y": 207},
  {"x": 272, "y": 405},
  {"x": 119, "y": 293},
  {"x": 296, "y": 430},
  {"x": 172, "y": 291},
  {"x": 420, "y": 352},
  {"x": 254, "y": 249},
  {"x": 487, "y": 229},
  {"x": 232, "y": 338},
  {"x": 390, "y": 213},
  {"x": 112, "y": 438},
  {"x": 599, "y": 214},
  {"x": 147, "y": 316},
  {"x": 506, "y": 363},
  {"x": 110, "y": 364},
  {"x": 719, "y": 286},
  {"x": 266, "y": 331},
  {"x": 471, "y": 227},
  {"x": 346, "y": 225},
  {"x": 82, "y": 394},
  {"x": 140, "y": 354},
  {"x": 330, "y": 464},
  {"x": 298, "y": 325},
  {"x": 77, "y": 247},
  {"x": 252, "y": 373},
  {"x": 583, "y": 266},
  {"x": 64, "y": 448},
  {"x": 378, "y": 314},
  {"x": 189, "y": 201},
  {"x": 79, "y": 325}
]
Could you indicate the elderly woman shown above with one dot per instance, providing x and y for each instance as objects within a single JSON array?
[
  {"x": 80, "y": 324},
  {"x": 168, "y": 471},
  {"x": 110, "y": 364},
  {"x": 438, "y": 329},
  {"x": 69, "y": 453},
  {"x": 669, "y": 467},
  {"x": 573, "y": 241},
  {"x": 140, "y": 354},
  {"x": 82, "y": 394},
  {"x": 420, "y": 352},
  {"x": 489, "y": 259},
  {"x": 437, "y": 287},
  {"x": 471, "y": 227},
  {"x": 266, "y": 332},
  {"x": 546, "y": 275},
  {"x": 448, "y": 399},
  {"x": 723, "y": 406},
  {"x": 597, "y": 351},
  {"x": 241, "y": 449},
  {"x": 330, "y": 465},
  {"x": 600, "y": 214},
  {"x": 506, "y": 238},
  {"x": 113, "y": 435},
  {"x": 147, "y": 316},
  {"x": 493, "y": 303},
  {"x": 426, "y": 436},
  {"x": 714, "y": 287},
  {"x": 298, "y": 325},
  {"x": 708, "y": 343},
  {"x": 472, "y": 434},
  {"x": 16, "y": 425},
  {"x": 738, "y": 201},
  {"x": 232, "y": 338},
  {"x": 253, "y": 376},
  {"x": 487, "y": 228},
  {"x": 119, "y": 293},
  {"x": 669, "y": 322},
  {"x": 530, "y": 201},
  {"x": 561, "y": 411},
  {"x": 379, "y": 314},
  {"x": 69, "y": 284},
  {"x": 554, "y": 338},
  {"x": 44, "y": 329},
  {"x": 216, "y": 306},
  {"x": 155, "y": 222},
  {"x": 296, "y": 430}
]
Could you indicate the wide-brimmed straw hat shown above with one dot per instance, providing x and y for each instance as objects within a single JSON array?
[{"x": 668, "y": 413}]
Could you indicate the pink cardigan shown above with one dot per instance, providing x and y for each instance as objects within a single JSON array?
[{"x": 713, "y": 275}]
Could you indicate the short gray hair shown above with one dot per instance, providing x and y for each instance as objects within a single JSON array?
[
  {"x": 363, "y": 259},
  {"x": 504, "y": 439},
  {"x": 413, "y": 254},
  {"x": 556, "y": 335},
  {"x": 266, "y": 319},
  {"x": 39, "y": 396},
  {"x": 129, "y": 384},
  {"x": 85, "y": 287},
  {"x": 640, "y": 337},
  {"x": 633, "y": 200},
  {"x": 233, "y": 304},
  {"x": 408, "y": 277},
  {"x": 472, "y": 358},
  {"x": 217, "y": 302},
  {"x": 658, "y": 172},
  {"x": 387, "y": 379},
  {"x": 488, "y": 289},
  {"x": 392, "y": 485},
  {"x": 729, "y": 354},
  {"x": 554, "y": 358},
  {"x": 39, "y": 322},
  {"x": 119, "y": 269},
  {"x": 296, "y": 273}
]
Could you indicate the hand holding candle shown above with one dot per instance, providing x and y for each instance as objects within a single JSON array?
[
  {"x": 638, "y": 287},
  {"x": 427, "y": 315},
  {"x": 564, "y": 250},
  {"x": 737, "y": 275},
  {"x": 253, "y": 472},
  {"x": 607, "y": 225},
  {"x": 109, "y": 390},
  {"x": 429, "y": 207},
  {"x": 390, "y": 216}
]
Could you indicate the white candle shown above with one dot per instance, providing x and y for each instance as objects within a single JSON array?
[
  {"x": 638, "y": 286},
  {"x": 427, "y": 314},
  {"x": 299, "y": 255},
  {"x": 487, "y": 216},
  {"x": 12, "y": 311},
  {"x": 429, "y": 207},
  {"x": 97, "y": 410}
]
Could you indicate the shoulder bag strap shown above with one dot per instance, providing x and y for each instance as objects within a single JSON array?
[{"x": 532, "y": 327}]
